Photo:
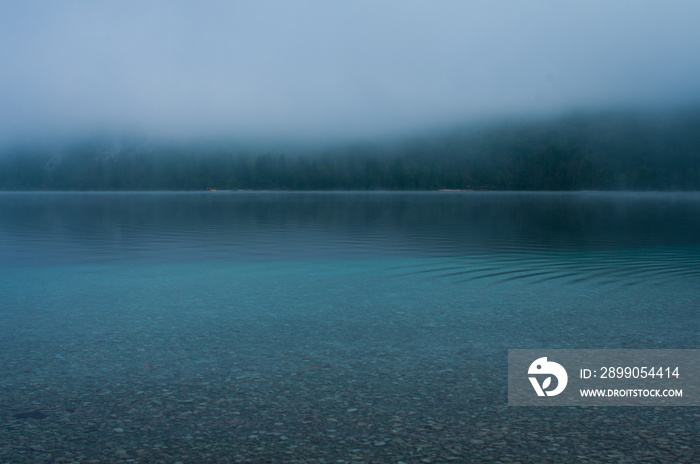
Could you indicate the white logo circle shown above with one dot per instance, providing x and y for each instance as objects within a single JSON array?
[{"x": 543, "y": 367}]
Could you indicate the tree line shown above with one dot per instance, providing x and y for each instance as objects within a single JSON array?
[{"x": 634, "y": 151}]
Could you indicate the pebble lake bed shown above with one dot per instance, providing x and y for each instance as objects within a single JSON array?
[{"x": 333, "y": 327}]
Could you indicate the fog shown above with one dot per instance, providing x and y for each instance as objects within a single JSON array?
[{"x": 310, "y": 70}]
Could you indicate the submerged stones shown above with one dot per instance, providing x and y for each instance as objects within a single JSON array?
[{"x": 36, "y": 414}]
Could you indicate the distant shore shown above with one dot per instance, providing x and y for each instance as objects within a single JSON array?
[{"x": 640, "y": 152}]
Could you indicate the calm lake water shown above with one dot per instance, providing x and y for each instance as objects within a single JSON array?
[{"x": 333, "y": 327}]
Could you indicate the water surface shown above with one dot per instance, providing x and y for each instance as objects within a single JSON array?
[{"x": 293, "y": 327}]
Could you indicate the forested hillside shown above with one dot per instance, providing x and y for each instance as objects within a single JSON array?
[{"x": 634, "y": 151}]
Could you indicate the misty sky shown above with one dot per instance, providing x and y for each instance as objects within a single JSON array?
[{"x": 319, "y": 69}]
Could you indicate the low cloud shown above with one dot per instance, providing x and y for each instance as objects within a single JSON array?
[{"x": 319, "y": 69}]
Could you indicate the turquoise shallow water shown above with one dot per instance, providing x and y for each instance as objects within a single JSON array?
[{"x": 271, "y": 327}]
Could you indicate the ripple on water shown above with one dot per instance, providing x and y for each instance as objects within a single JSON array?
[{"x": 626, "y": 267}]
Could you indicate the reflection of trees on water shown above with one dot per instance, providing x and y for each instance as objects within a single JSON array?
[{"x": 298, "y": 224}]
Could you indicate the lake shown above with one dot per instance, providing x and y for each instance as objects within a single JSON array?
[{"x": 333, "y": 327}]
